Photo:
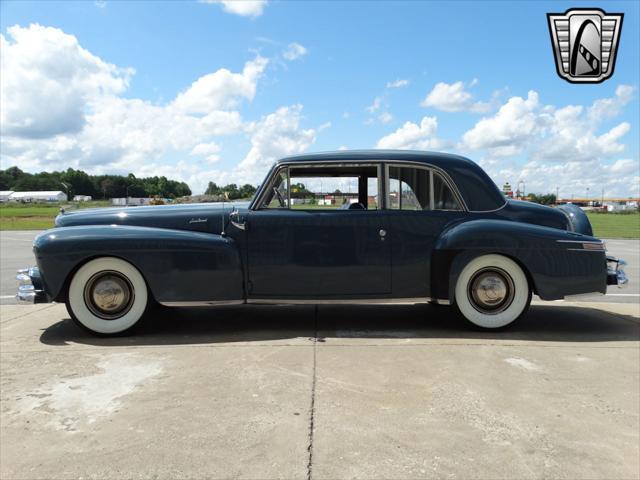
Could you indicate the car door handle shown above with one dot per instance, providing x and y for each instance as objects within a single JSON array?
[{"x": 382, "y": 233}]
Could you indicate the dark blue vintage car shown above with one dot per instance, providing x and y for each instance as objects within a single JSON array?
[{"x": 340, "y": 227}]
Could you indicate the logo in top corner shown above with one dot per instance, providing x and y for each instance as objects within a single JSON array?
[{"x": 585, "y": 42}]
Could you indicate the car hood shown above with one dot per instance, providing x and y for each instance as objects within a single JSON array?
[{"x": 201, "y": 217}]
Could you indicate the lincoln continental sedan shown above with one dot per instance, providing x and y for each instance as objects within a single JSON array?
[{"x": 339, "y": 227}]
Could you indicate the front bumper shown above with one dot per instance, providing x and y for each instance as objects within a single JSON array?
[
  {"x": 615, "y": 272},
  {"x": 30, "y": 287}
]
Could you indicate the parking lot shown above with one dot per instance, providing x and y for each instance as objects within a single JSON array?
[{"x": 322, "y": 392}]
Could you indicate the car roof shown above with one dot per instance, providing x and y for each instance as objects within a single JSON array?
[{"x": 437, "y": 159}]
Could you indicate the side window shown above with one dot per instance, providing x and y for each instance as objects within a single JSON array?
[
  {"x": 409, "y": 188},
  {"x": 325, "y": 187},
  {"x": 443, "y": 197},
  {"x": 278, "y": 197}
]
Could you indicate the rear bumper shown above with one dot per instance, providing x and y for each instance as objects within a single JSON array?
[
  {"x": 30, "y": 287},
  {"x": 615, "y": 272}
]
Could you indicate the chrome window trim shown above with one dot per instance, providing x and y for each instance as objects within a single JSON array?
[
  {"x": 276, "y": 169},
  {"x": 430, "y": 168},
  {"x": 456, "y": 191}
]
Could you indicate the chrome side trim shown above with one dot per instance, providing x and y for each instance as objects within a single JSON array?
[
  {"x": 354, "y": 301},
  {"x": 598, "y": 242},
  {"x": 442, "y": 302},
  {"x": 206, "y": 303},
  {"x": 289, "y": 301}
]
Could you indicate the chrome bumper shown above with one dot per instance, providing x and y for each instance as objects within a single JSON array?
[
  {"x": 615, "y": 272},
  {"x": 29, "y": 287}
]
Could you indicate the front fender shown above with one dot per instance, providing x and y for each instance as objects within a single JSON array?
[
  {"x": 553, "y": 259},
  {"x": 178, "y": 266}
]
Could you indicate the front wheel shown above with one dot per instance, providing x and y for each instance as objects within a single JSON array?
[
  {"x": 492, "y": 292},
  {"x": 107, "y": 296}
]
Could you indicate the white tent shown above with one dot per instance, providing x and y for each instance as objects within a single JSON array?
[
  {"x": 5, "y": 194},
  {"x": 52, "y": 196}
]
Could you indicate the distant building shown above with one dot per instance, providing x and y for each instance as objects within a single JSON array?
[
  {"x": 33, "y": 197},
  {"x": 5, "y": 195},
  {"x": 130, "y": 201},
  {"x": 82, "y": 198}
]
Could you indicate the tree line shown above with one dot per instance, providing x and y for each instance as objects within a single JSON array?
[
  {"x": 77, "y": 182},
  {"x": 232, "y": 191}
]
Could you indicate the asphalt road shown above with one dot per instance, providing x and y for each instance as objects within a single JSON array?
[
  {"x": 15, "y": 253},
  {"x": 322, "y": 393}
]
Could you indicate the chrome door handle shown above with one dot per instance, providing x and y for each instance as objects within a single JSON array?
[
  {"x": 234, "y": 218},
  {"x": 382, "y": 233}
]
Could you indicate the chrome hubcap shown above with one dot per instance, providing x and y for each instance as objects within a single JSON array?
[
  {"x": 491, "y": 290},
  {"x": 108, "y": 295}
]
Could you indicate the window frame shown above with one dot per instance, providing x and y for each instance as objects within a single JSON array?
[
  {"x": 383, "y": 167},
  {"x": 432, "y": 170},
  {"x": 277, "y": 169}
]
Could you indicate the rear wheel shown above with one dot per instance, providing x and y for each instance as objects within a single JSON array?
[
  {"x": 107, "y": 296},
  {"x": 492, "y": 292}
]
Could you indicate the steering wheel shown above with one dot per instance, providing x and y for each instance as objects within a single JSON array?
[
  {"x": 281, "y": 200},
  {"x": 356, "y": 206}
]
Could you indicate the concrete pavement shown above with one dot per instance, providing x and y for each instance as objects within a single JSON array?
[{"x": 332, "y": 392}]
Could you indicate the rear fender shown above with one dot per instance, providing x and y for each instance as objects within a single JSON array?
[
  {"x": 178, "y": 266},
  {"x": 552, "y": 259},
  {"x": 577, "y": 219}
]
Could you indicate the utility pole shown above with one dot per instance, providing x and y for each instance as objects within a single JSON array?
[{"x": 557, "y": 194}]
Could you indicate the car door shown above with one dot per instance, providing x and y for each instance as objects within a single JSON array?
[
  {"x": 306, "y": 251},
  {"x": 420, "y": 205}
]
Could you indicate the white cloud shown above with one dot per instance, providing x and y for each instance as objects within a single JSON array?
[
  {"x": 548, "y": 133},
  {"x": 399, "y": 83},
  {"x": 413, "y": 136},
  {"x": 100, "y": 131},
  {"x": 385, "y": 117},
  {"x": 207, "y": 150},
  {"x": 453, "y": 98},
  {"x": 375, "y": 106},
  {"x": 514, "y": 123},
  {"x": 222, "y": 88},
  {"x": 244, "y": 8},
  {"x": 611, "y": 107},
  {"x": 294, "y": 51},
  {"x": 276, "y": 135},
  {"x": 572, "y": 178},
  {"x": 49, "y": 82}
]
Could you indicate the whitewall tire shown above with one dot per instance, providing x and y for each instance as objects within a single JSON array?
[
  {"x": 107, "y": 295},
  {"x": 492, "y": 291}
]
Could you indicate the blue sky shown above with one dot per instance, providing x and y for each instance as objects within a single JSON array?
[{"x": 201, "y": 91}]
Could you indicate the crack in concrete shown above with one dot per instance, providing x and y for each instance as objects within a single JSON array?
[{"x": 313, "y": 396}]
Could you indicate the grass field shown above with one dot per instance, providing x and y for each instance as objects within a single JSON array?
[
  {"x": 614, "y": 225},
  {"x": 16, "y": 216},
  {"x": 41, "y": 216}
]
